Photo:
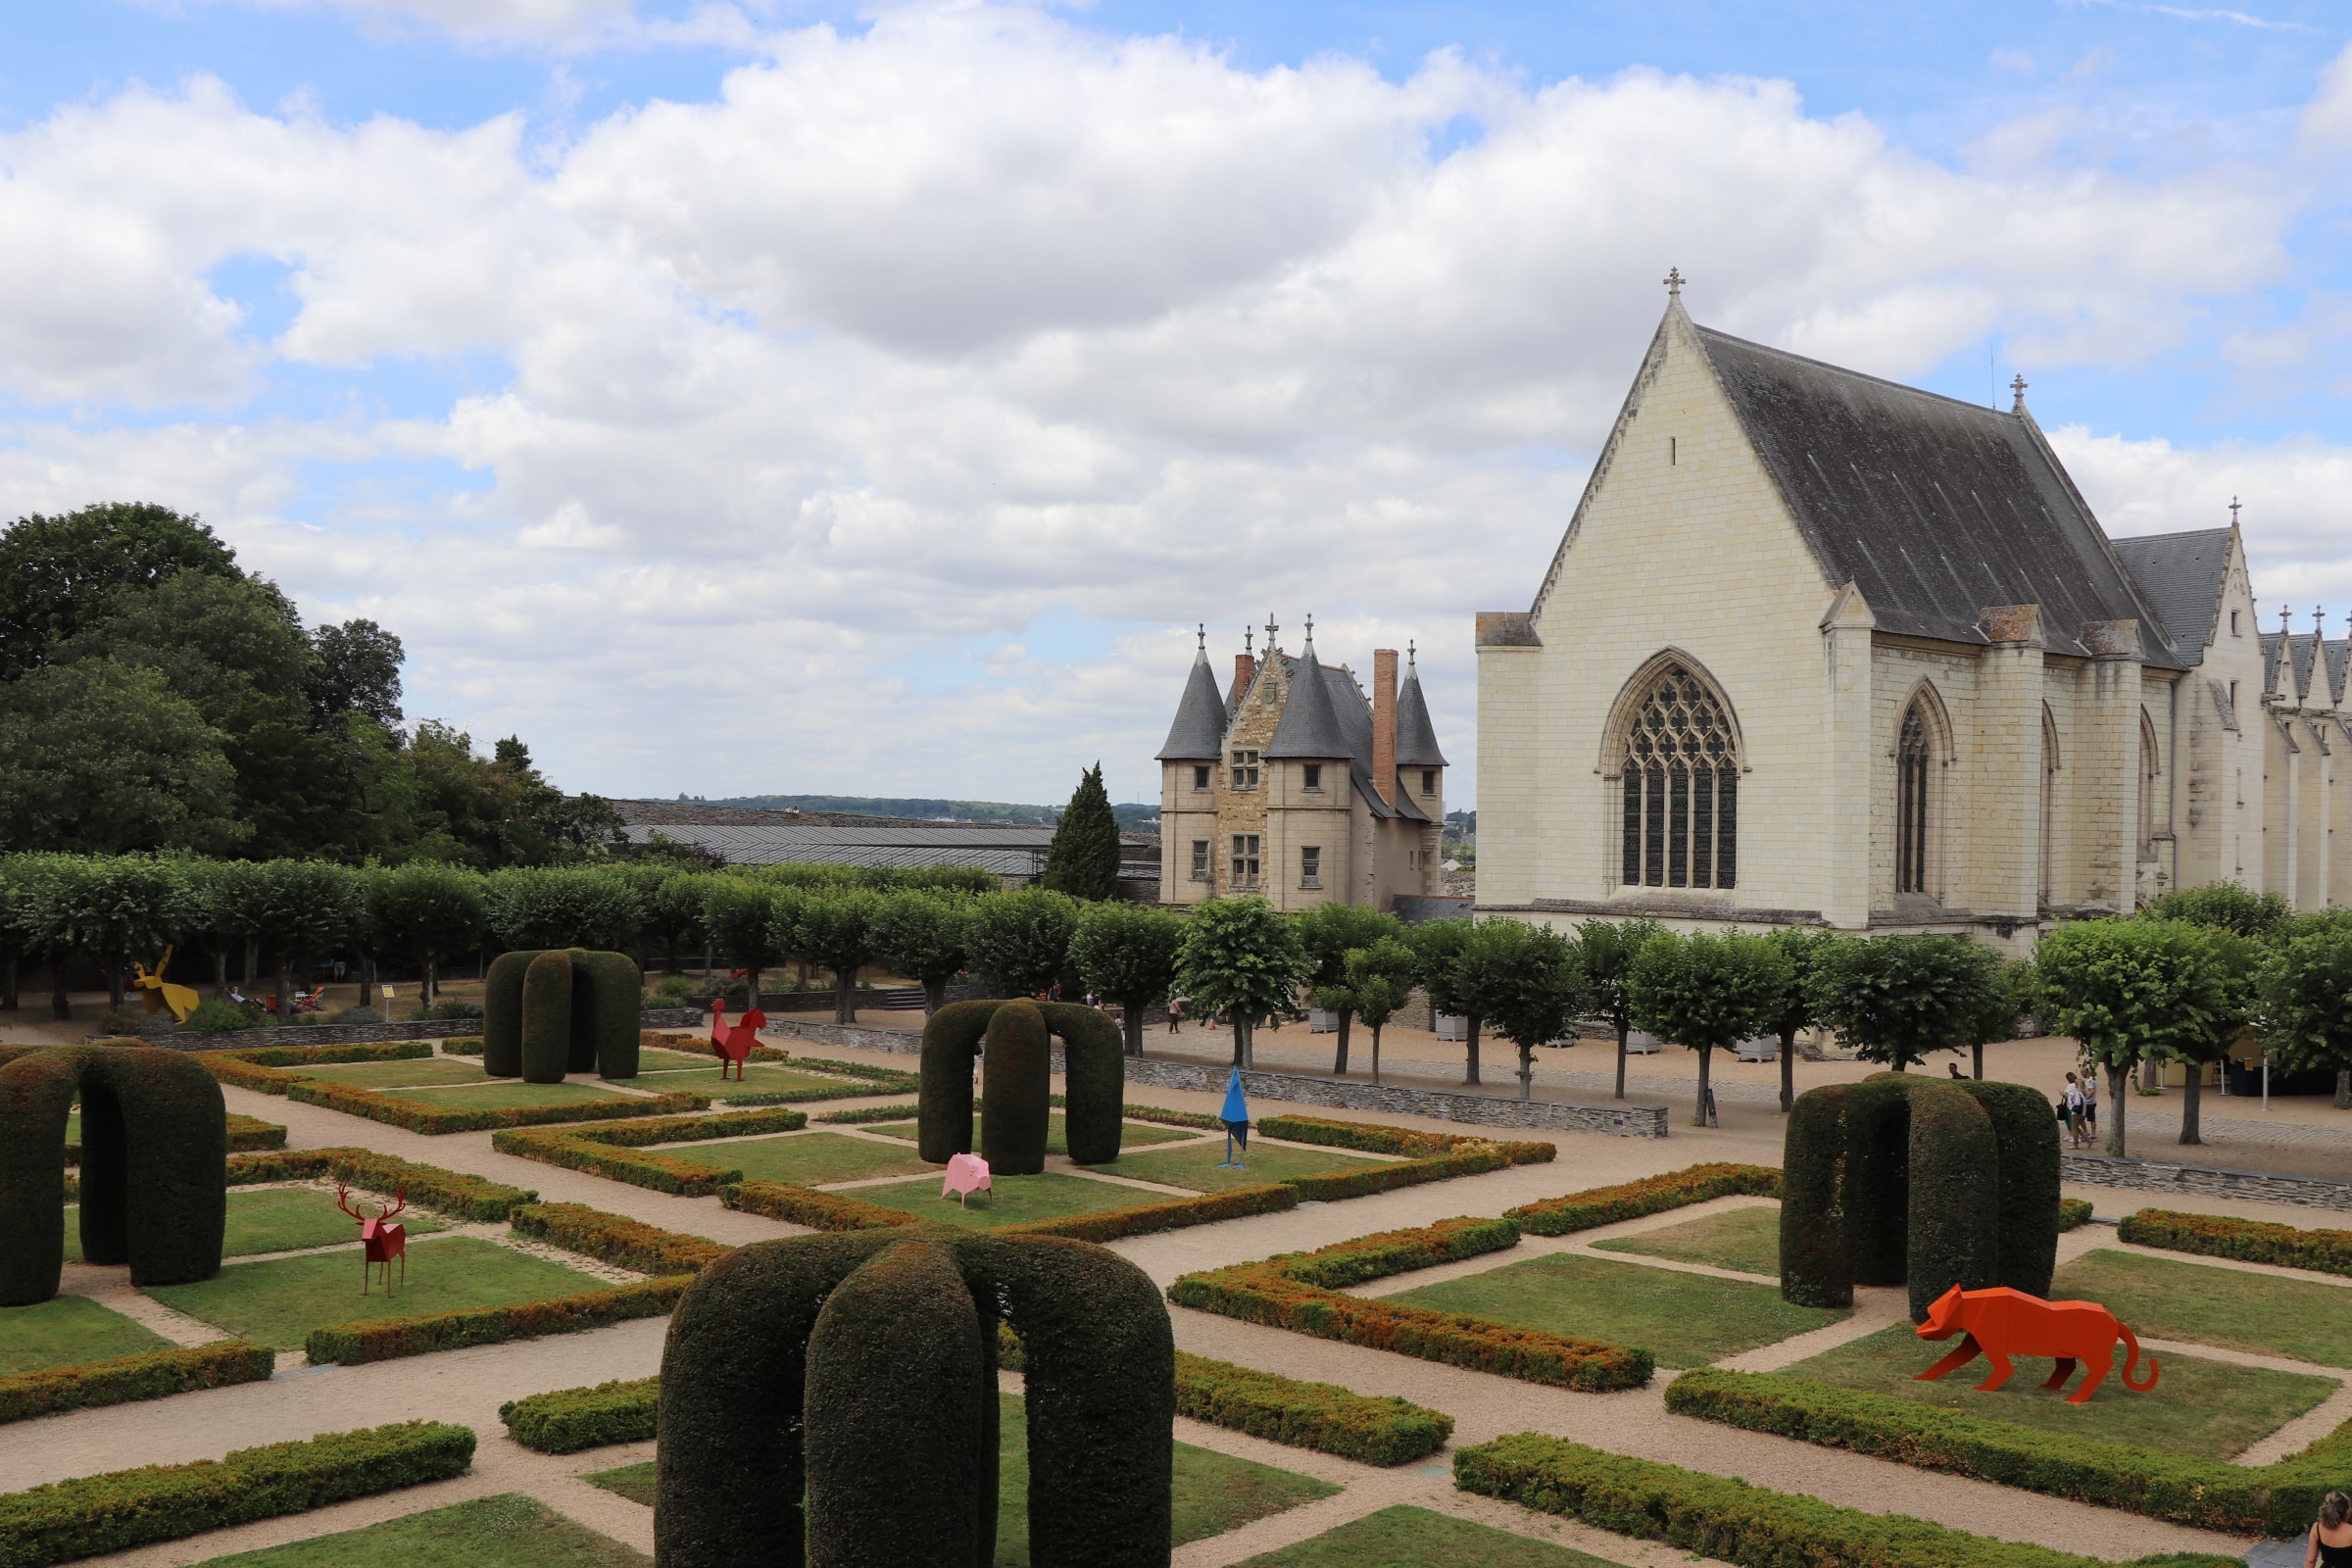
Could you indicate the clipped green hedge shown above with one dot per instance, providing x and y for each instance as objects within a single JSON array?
[
  {"x": 1017, "y": 1075},
  {"x": 455, "y": 1193},
  {"x": 617, "y": 1239},
  {"x": 2249, "y": 1241},
  {"x": 806, "y": 1205},
  {"x": 607, "y": 992},
  {"x": 2073, "y": 1213},
  {"x": 1651, "y": 1195},
  {"x": 1322, "y": 1416},
  {"x": 124, "y": 1379},
  {"x": 246, "y": 1135},
  {"x": 617, "y": 1150},
  {"x": 126, "y": 1508},
  {"x": 2269, "y": 1499},
  {"x": 416, "y": 1116},
  {"x": 389, "y": 1339},
  {"x": 1142, "y": 1219},
  {"x": 866, "y": 1114},
  {"x": 569, "y": 1420},
  {"x": 1094, "y": 1059},
  {"x": 472, "y": 1047},
  {"x": 1362, "y": 1181},
  {"x": 502, "y": 1012},
  {"x": 547, "y": 1054}
]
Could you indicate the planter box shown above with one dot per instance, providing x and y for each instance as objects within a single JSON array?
[
  {"x": 1640, "y": 1043},
  {"x": 1451, "y": 1026},
  {"x": 1322, "y": 1022}
]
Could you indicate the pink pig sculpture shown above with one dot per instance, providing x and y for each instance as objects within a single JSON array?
[{"x": 967, "y": 1174}]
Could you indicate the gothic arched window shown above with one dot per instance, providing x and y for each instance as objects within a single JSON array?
[
  {"x": 1913, "y": 757},
  {"x": 1680, "y": 773},
  {"x": 2150, "y": 770}
]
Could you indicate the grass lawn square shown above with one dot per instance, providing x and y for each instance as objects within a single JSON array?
[
  {"x": 66, "y": 1330},
  {"x": 73, "y": 1127},
  {"x": 2205, "y": 1409},
  {"x": 1685, "y": 1320},
  {"x": 408, "y": 1074},
  {"x": 279, "y": 1219},
  {"x": 756, "y": 1080},
  {"x": 652, "y": 1059},
  {"x": 1744, "y": 1239},
  {"x": 1131, "y": 1135},
  {"x": 278, "y": 1303},
  {"x": 2164, "y": 1298},
  {"x": 807, "y": 1159},
  {"x": 506, "y": 1094},
  {"x": 1404, "y": 1536},
  {"x": 503, "y": 1532},
  {"x": 1013, "y": 1200},
  {"x": 1196, "y": 1166}
]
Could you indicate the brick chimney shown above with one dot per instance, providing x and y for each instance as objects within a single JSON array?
[
  {"x": 1245, "y": 671},
  {"x": 1383, "y": 723}
]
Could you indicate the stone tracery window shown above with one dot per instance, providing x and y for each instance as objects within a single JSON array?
[
  {"x": 1913, "y": 757},
  {"x": 1681, "y": 779}
]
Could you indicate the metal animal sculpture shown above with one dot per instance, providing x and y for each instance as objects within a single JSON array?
[
  {"x": 383, "y": 1239},
  {"x": 2000, "y": 1323},
  {"x": 967, "y": 1174},
  {"x": 162, "y": 996},
  {"x": 733, "y": 1044}
]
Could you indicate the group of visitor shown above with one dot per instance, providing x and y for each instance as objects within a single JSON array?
[{"x": 2079, "y": 1109}]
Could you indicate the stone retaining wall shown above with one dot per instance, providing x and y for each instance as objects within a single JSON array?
[
  {"x": 347, "y": 1034},
  {"x": 1484, "y": 1111},
  {"x": 2247, "y": 1186}
]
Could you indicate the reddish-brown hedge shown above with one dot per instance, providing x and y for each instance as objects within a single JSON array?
[
  {"x": 617, "y": 1239},
  {"x": 2249, "y": 1241},
  {"x": 806, "y": 1205},
  {"x": 448, "y": 1192},
  {"x": 388, "y": 1339},
  {"x": 1109, "y": 1224},
  {"x": 149, "y": 1376},
  {"x": 1652, "y": 1195},
  {"x": 418, "y": 1117},
  {"x": 599, "y": 1150},
  {"x": 265, "y": 1067}
]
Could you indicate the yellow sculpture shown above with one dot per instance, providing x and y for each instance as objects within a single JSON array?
[{"x": 160, "y": 995}]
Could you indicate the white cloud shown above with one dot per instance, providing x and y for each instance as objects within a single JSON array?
[{"x": 823, "y": 392}]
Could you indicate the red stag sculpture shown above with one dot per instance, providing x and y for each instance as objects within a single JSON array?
[
  {"x": 733, "y": 1043},
  {"x": 383, "y": 1239}
]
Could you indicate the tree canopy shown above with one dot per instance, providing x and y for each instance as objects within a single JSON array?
[{"x": 1083, "y": 861}]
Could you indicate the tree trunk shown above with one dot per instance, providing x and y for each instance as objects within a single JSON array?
[
  {"x": 1979, "y": 1050},
  {"x": 1527, "y": 1072},
  {"x": 1338, "y": 1063},
  {"x": 116, "y": 979},
  {"x": 285, "y": 987},
  {"x": 1470, "y": 1036},
  {"x": 432, "y": 983},
  {"x": 751, "y": 987},
  {"x": 220, "y": 971},
  {"x": 709, "y": 959},
  {"x": 1131, "y": 1024},
  {"x": 252, "y": 964},
  {"x": 2119, "y": 1083},
  {"x": 935, "y": 997},
  {"x": 1622, "y": 1031},
  {"x": 1706, "y": 1058},
  {"x": 368, "y": 981},
  {"x": 7, "y": 984},
  {"x": 2193, "y": 1096},
  {"x": 1241, "y": 1057},
  {"x": 2344, "y": 1089},
  {"x": 1788, "y": 1071},
  {"x": 844, "y": 995},
  {"x": 1376, "y": 1053},
  {"x": 61, "y": 1007}
]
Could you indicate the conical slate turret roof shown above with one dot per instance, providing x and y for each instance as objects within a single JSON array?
[
  {"x": 1416, "y": 736},
  {"x": 1311, "y": 724},
  {"x": 1198, "y": 733}
]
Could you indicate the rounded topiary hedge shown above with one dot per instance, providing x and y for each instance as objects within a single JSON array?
[
  {"x": 859, "y": 1371},
  {"x": 502, "y": 1014},
  {"x": 154, "y": 1165},
  {"x": 951, "y": 1038},
  {"x": 1016, "y": 1088},
  {"x": 547, "y": 1017},
  {"x": 1903, "y": 1179},
  {"x": 607, "y": 991},
  {"x": 1095, "y": 1071},
  {"x": 581, "y": 1013}
]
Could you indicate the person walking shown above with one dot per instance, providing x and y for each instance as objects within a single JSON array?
[
  {"x": 2091, "y": 1105},
  {"x": 2331, "y": 1545},
  {"x": 1175, "y": 1015},
  {"x": 2073, "y": 1111}
]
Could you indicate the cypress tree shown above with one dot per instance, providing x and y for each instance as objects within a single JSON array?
[{"x": 1084, "y": 858}]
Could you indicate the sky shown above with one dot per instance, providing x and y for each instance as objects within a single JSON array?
[{"x": 773, "y": 397}]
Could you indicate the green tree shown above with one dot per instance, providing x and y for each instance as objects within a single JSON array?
[
  {"x": 1331, "y": 931},
  {"x": 1083, "y": 861},
  {"x": 1241, "y": 958},
  {"x": 1127, "y": 952},
  {"x": 2306, "y": 1002},
  {"x": 1534, "y": 985},
  {"x": 355, "y": 669},
  {"x": 100, "y": 758},
  {"x": 836, "y": 931},
  {"x": 1707, "y": 992},
  {"x": 1020, "y": 939},
  {"x": 1793, "y": 1010},
  {"x": 739, "y": 914},
  {"x": 41, "y": 918},
  {"x": 1438, "y": 949},
  {"x": 2009, "y": 989},
  {"x": 58, "y": 574},
  {"x": 429, "y": 911},
  {"x": 1607, "y": 948},
  {"x": 1895, "y": 999},
  {"x": 2224, "y": 904},
  {"x": 925, "y": 936},
  {"x": 304, "y": 909},
  {"x": 561, "y": 906},
  {"x": 12, "y": 935},
  {"x": 673, "y": 914},
  {"x": 1380, "y": 979},
  {"x": 2129, "y": 990},
  {"x": 118, "y": 910}
]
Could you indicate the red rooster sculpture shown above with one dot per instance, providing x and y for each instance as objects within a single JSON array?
[
  {"x": 383, "y": 1239},
  {"x": 733, "y": 1043}
]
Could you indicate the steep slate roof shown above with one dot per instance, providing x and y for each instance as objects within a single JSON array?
[
  {"x": 1198, "y": 733},
  {"x": 2179, "y": 575},
  {"x": 1934, "y": 507},
  {"x": 1416, "y": 737},
  {"x": 1337, "y": 724},
  {"x": 2271, "y": 643},
  {"x": 2339, "y": 654}
]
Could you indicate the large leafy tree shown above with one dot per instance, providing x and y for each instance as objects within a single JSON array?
[
  {"x": 1795, "y": 1009},
  {"x": 427, "y": 911},
  {"x": 1707, "y": 992},
  {"x": 1330, "y": 932},
  {"x": 1535, "y": 986},
  {"x": 116, "y": 910},
  {"x": 2306, "y": 1000},
  {"x": 59, "y": 574},
  {"x": 1380, "y": 979},
  {"x": 673, "y": 914},
  {"x": 926, "y": 937},
  {"x": 2224, "y": 904},
  {"x": 1607, "y": 948},
  {"x": 1895, "y": 1000},
  {"x": 1243, "y": 959},
  {"x": 99, "y": 757},
  {"x": 1083, "y": 861},
  {"x": 561, "y": 906},
  {"x": 1020, "y": 939},
  {"x": 1127, "y": 951},
  {"x": 2129, "y": 990},
  {"x": 304, "y": 908},
  {"x": 739, "y": 914},
  {"x": 836, "y": 931},
  {"x": 1439, "y": 946}
]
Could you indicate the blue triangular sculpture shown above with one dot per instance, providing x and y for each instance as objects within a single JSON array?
[{"x": 1235, "y": 1118}]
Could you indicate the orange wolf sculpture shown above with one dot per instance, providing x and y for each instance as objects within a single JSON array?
[{"x": 2000, "y": 1323}]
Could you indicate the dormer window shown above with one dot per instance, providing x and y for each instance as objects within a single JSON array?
[
  {"x": 1245, "y": 770},
  {"x": 1429, "y": 781},
  {"x": 1201, "y": 776},
  {"x": 1313, "y": 776}
]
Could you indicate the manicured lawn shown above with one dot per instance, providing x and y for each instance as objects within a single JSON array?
[
  {"x": 400, "y": 1074},
  {"x": 278, "y": 1303},
  {"x": 1016, "y": 1198},
  {"x": 282, "y": 1219},
  {"x": 652, "y": 1059},
  {"x": 1211, "y": 1494},
  {"x": 756, "y": 1080},
  {"x": 1131, "y": 1135},
  {"x": 2165, "y": 1299},
  {"x": 1746, "y": 1239},
  {"x": 808, "y": 1157},
  {"x": 501, "y": 1094},
  {"x": 2203, "y": 1408},
  {"x": 1683, "y": 1320},
  {"x": 503, "y": 1532},
  {"x": 73, "y": 1127},
  {"x": 65, "y": 1331},
  {"x": 1402, "y": 1537},
  {"x": 1196, "y": 1166}
]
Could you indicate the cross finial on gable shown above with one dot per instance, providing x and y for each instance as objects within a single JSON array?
[
  {"x": 2284, "y": 624},
  {"x": 1271, "y": 629},
  {"x": 1408, "y": 653},
  {"x": 1310, "y": 629},
  {"x": 2233, "y": 504},
  {"x": 1200, "y": 633},
  {"x": 1248, "y": 633},
  {"x": 1674, "y": 282},
  {"x": 2017, "y": 388}
]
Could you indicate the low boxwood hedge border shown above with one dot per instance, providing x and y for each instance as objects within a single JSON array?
[
  {"x": 1756, "y": 1527},
  {"x": 470, "y": 1046},
  {"x": 1377, "y": 1138},
  {"x": 129, "y": 1378},
  {"x": 124, "y": 1508},
  {"x": 619, "y": 1152},
  {"x": 1651, "y": 1195},
  {"x": 1304, "y": 1293},
  {"x": 1176, "y": 1213},
  {"x": 266, "y": 1067},
  {"x": 807, "y": 1206},
  {"x": 869, "y": 1082},
  {"x": 389, "y": 1339},
  {"x": 246, "y": 1133},
  {"x": 455, "y": 1193},
  {"x": 416, "y": 1116},
  {"x": 866, "y": 1113},
  {"x": 569, "y": 1420},
  {"x": 2248, "y": 1241},
  {"x": 2073, "y": 1214},
  {"x": 2211, "y": 1494},
  {"x": 617, "y": 1239}
]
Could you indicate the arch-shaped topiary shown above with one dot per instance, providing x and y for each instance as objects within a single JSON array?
[
  {"x": 1012, "y": 1038},
  {"x": 579, "y": 1016},
  {"x": 1905, "y": 1178},
  {"x": 859, "y": 1371},
  {"x": 154, "y": 1165}
]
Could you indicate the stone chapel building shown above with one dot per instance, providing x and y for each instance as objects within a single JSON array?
[
  {"x": 1296, "y": 787},
  {"x": 1818, "y": 648}
]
